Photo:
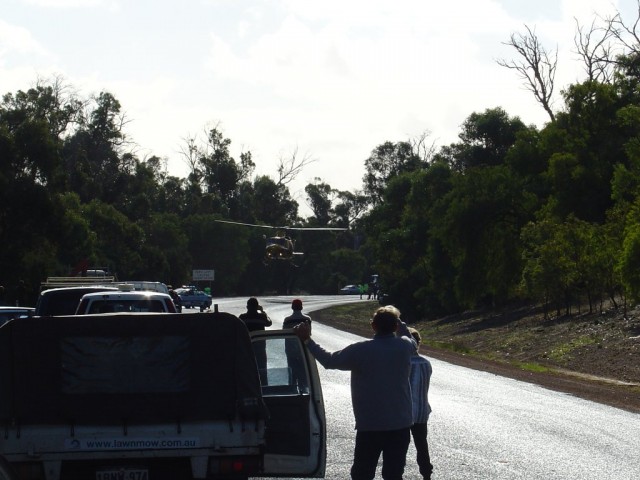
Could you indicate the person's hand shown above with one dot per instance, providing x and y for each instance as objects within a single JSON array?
[{"x": 303, "y": 331}]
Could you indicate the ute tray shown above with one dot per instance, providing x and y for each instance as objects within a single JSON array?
[{"x": 132, "y": 368}]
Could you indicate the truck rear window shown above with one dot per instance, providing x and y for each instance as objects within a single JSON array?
[
  {"x": 127, "y": 306},
  {"x": 125, "y": 365}
]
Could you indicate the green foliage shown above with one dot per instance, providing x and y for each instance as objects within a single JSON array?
[
  {"x": 387, "y": 161},
  {"x": 118, "y": 240},
  {"x": 509, "y": 212},
  {"x": 213, "y": 248}
]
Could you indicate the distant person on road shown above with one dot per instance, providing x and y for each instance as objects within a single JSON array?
[
  {"x": 380, "y": 392},
  {"x": 176, "y": 298},
  {"x": 255, "y": 318},
  {"x": 372, "y": 291},
  {"x": 420, "y": 377},
  {"x": 292, "y": 348},
  {"x": 297, "y": 316},
  {"x": 21, "y": 294}
]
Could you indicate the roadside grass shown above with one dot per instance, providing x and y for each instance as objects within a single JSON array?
[
  {"x": 532, "y": 367},
  {"x": 461, "y": 348},
  {"x": 355, "y": 311},
  {"x": 354, "y": 317},
  {"x": 591, "y": 356},
  {"x": 456, "y": 347},
  {"x": 511, "y": 347},
  {"x": 562, "y": 352}
]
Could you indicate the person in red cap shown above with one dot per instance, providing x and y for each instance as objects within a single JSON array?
[{"x": 297, "y": 316}]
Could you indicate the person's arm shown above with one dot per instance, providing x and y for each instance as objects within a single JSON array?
[
  {"x": 303, "y": 331},
  {"x": 340, "y": 360},
  {"x": 403, "y": 331}
]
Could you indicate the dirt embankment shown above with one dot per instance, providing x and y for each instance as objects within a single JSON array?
[{"x": 595, "y": 356}]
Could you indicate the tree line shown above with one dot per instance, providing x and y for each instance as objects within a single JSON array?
[{"x": 510, "y": 212}]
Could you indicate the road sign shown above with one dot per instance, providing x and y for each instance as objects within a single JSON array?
[{"x": 202, "y": 275}]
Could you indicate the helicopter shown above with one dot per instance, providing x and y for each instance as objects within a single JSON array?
[{"x": 281, "y": 246}]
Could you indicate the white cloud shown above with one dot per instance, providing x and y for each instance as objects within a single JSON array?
[
  {"x": 110, "y": 4},
  {"x": 16, "y": 39},
  {"x": 333, "y": 79}
]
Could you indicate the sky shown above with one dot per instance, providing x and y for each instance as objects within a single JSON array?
[{"x": 327, "y": 81}]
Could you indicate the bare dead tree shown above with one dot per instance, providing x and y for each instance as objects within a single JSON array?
[
  {"x": 595, "y": 48},
  {"x": 537, "y": 66},
  {"x": 65, "y": 109},
  {"x": 627, "y": 34},
  {"x": 421, "y": 148},
  {"x": 289, "y": 168},
  {"x": 190, "y": 153}
]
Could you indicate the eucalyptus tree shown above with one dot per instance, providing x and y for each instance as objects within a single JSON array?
[
  {"x": 388, "y": 244},
  {"x": 480, "y": 208},
  {"x": 432, "y": 271},
  {"x": 32, "y": 124},
  {"x": 214, "y": 174},
  {"x": 385, "y": 162},
  {"x": 480, "y": 228},
  {"x": 219, "y": 247},
  {"x": 273, "y": 204},
  {"x": 94, "y": 155},
  {"x": 485, "y": 139},
  {"x": 119, "y": 241},
  {"x": 585, "y": 145},
  {"x": 319, "y": 199},
  {"x": 349, "y": 208}
]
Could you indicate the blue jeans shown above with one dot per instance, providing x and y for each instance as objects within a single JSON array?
[{"x": 393, "y": 444}]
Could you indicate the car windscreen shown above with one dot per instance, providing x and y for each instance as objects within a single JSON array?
[{"x": 130, "y": 306}]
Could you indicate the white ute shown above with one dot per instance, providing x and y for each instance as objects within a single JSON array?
[
  {"x": 125, "y": 302},
  {"x": 157, "y": 397}
]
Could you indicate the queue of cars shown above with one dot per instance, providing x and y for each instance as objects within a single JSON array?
[
  {"x": 152, "y": 396},
  {"x": 74, "y": 298}
]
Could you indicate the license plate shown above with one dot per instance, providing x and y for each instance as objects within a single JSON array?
[{"x": 123, "y": 474}]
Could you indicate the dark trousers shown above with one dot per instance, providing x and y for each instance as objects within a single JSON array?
[
  {"x": 260, "y": 352},
  {"x": 393, "y": 444},
  {"x": 419, "y": 432}
]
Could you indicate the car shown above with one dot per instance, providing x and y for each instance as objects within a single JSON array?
[
  {"x": 125, "y": 302},
  {"x": 191, "y": 297},
  {"x": 350, "y": 290},
  {"x": 144, "y": 285},
  {"x": 9, "y": 313},
  {"x": 64, "y": 300}
]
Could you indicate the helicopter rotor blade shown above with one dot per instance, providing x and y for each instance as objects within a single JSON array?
[
  {"x": 245, "y": 224},
  {"x": 316, "y": 229},
  {"x": 284, "y": 228}
]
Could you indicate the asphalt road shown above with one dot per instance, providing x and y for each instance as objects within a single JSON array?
[{"x": 483, "y": 426}]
